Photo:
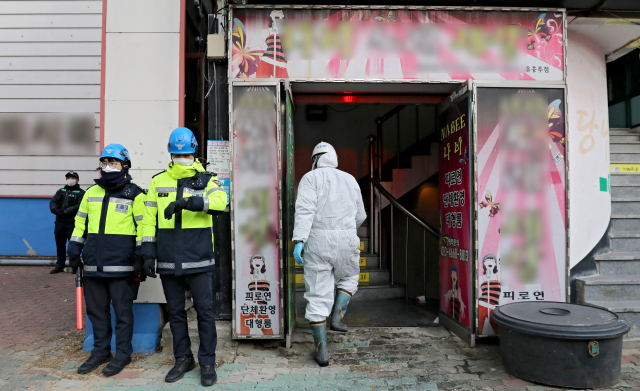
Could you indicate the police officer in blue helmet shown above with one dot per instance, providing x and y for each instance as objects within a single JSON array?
[
  {"x": 106, "y": 233},
  {"x": 177, "y": 234}
]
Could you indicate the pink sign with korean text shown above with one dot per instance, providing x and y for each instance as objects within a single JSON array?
[
  {"x": 456, "y": 275},
  {"x": 521, "y": 199},
  {"x": 397, "y": 44}
]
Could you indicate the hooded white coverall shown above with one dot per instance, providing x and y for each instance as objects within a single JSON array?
[{"x": 329, "y": 210}]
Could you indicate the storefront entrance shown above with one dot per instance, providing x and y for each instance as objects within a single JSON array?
[{"x": 386, "y": 136}]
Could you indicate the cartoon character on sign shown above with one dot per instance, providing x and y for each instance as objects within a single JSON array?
[
  {"x": 453, "y": 298},
  {"x": 490, "y": 296},
  {"x": 258, "y": 300},
  {"x": 273, "y": 63}
]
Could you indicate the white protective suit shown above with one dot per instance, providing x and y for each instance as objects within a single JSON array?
[{"x": 329, "y": 210}]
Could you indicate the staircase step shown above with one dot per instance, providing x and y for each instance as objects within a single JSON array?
[
  {"x": 625, "y": 241},
  {"x": 612, "y": 287},
  {"x": 623, "y": 137},
  {"x": 370, "y": 275},
  {"x": 369, "y": 260},
  {"x": 618, "y": 131},
  {"x": 627, "y": 310},
  {"x": 366, "y": 292},
  {"x": 626, "y": 222},
  {"x": 626, "y": 157},
  {"x": 618, "y": 263},
  {"x": 624, "y": 146},
  {"x": 628, "y": 179},
  {"x": 364, "y": 244},
  {"x": 625, "y": 205},
  {"x": 624, "y": 191}
]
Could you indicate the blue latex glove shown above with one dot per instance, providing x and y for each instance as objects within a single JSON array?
[{"x": 297, "y": 253}]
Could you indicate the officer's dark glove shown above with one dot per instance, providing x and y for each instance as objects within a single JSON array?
[
  {"x": 138, "y": 266},
  {"x": 56, "y": 211},
  {"x": 75, "y": 262},
  {"x": 175, "y": 207},
  {"x": 149, "y": 267}
]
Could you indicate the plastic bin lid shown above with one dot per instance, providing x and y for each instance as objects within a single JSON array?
[{"x": 559, "y": 320}]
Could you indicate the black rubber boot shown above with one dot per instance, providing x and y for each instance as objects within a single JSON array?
[
  {"x": 321, "y": 355},
  {"x": 339, "y": 310},
  {"x": 92, "y": 363}
]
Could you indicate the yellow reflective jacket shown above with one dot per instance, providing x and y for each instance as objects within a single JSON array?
[
  {"x": 107, "y": 230},
  {"x": 183, "y": 244}
]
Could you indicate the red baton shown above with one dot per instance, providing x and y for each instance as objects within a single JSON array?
[{"x": 79, "y": 312}]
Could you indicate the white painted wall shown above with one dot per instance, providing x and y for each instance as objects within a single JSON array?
[
  {"x": 590, "y": 208},
  {"x": 49, "y": 63},
  {"x": 142, "y": 81},
  {"x": 142, "y": 77}
]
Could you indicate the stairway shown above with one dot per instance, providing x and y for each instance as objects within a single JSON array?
[
  {"x": 374, "y": 282},
  {"x": 416, "y": 164},
  {"x": 405, "y": 179},
  {"x": 617, "y": 286}
]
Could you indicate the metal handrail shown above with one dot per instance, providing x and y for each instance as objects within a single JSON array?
[{"x": 433, "y": 231}]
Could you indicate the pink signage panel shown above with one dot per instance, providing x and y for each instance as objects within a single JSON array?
[{"x": 397, "y": 44}]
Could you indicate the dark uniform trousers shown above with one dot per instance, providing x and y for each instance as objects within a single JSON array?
[
  {"x": 99, "y": 293},
  {"x": 62, "y": 232},
  {"x": 200, "y": 285}
]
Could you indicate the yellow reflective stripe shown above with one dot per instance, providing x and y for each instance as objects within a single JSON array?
[
  {"x": 152, "y": 204},
  {"x": 82, "y": 215},
  {"x": 139, "y": 218},
  {"x": 76, "y": 239},
  {"x": 214, "y": 190}
]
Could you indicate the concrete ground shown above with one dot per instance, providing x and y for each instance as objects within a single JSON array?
[{"x": 38, "y": 352}]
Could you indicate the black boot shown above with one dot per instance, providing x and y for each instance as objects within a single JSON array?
[
  {"x": 56, "y": 270},
  {"x": 182, "y": 366},
  {"x": 339, "y": 310},
  {"x": 321, "y": 355},
  {"x": 92, "y": 363},
  {"x": 208, "y": 375},
  {"x": 115, "y": 366}
]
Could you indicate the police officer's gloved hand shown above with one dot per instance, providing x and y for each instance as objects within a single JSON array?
[
  {"x": 149, "y": 267},
  {"x": 138, "y": 266},
  {"x": 75, "y": 261},
  {"x": 297, "y": 253},
  {"x": 175, "y": 207}
]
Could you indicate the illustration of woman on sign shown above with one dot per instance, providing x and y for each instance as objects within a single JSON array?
[
  {"x": 490, "y": 296},
  {"x": 255, "y": 311},
  {"x": 273, "y": 63},
  {"x": 453, "y": 298}
]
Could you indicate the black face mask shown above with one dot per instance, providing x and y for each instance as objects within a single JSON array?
[{"x": 111, "y": 179}]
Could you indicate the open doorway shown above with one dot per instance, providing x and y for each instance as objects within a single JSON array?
[{"x": 385, "y": 136}]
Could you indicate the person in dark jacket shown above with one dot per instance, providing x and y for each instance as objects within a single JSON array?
[{"x": 65, "y": 205}]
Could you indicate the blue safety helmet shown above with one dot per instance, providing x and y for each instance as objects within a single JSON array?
[
  {"x": 116, "y": 151},
  {"x": 182, "y": 141}
]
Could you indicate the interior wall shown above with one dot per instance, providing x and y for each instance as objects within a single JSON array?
[{"x": 348, "y": 127}]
